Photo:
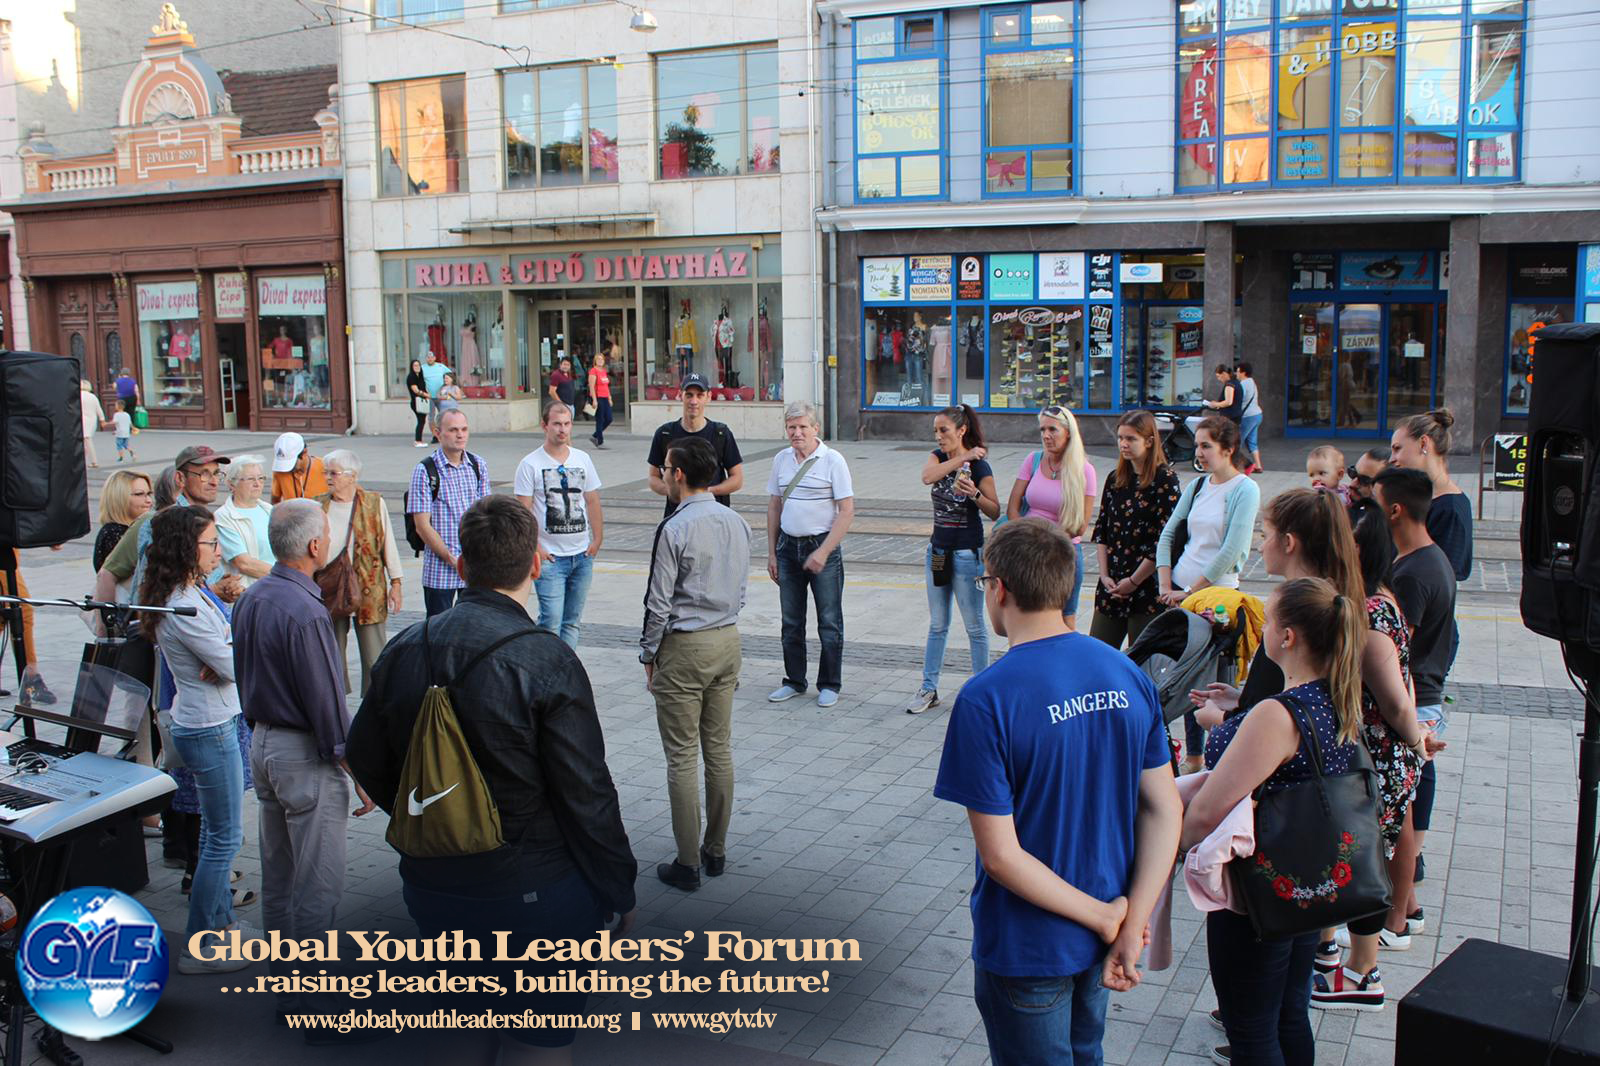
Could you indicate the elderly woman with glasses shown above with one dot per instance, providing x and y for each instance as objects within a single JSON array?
[
  {"x": 358, "y": 523},
  {"x": 242, "y": 522}
]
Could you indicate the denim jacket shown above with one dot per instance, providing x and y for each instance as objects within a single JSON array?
[{"x": 528, "y": 714}]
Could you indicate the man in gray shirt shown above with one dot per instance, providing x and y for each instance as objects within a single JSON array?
[{"x": 690, "y": 649}]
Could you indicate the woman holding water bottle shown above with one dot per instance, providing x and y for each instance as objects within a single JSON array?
[{"x": 962, "y": 486}]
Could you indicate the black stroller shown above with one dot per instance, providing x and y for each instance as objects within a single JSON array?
[
  {"x": 1177, "y": 439},
  {"x": 1181, "y": 650}
]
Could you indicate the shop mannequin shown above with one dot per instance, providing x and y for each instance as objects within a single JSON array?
[
  {"x": 917, "y": 358},
  {"x": 436, "y": 337},
  {"x": 722, "y": 344},
  {"x": 497, "y": 345},
  {"x": 282, "y": 349},
  {"x": 317, "y": 352},
  {"x": 759, "y": 341},
  {"x": 684, "y": 341},
  {"x": 179, "y": 348},
  {"x": 972, "y": 349},
  {"x": 939, "y": 342},
  {"x": 164, "y": 341},
  {"x": 467, "y": 351}
]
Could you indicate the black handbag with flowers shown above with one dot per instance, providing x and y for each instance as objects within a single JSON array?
[{"x": 1319, "y": 859}]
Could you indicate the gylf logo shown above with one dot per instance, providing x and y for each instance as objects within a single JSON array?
[{"x": 93, "y": 962}]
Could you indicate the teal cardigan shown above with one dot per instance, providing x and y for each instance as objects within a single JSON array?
[{"x": 1244, "y": 500}]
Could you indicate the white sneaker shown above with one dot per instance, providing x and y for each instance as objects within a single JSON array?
[
  {"x": 1387, "y": 941},
  {"x": 922, "y": 701},
  {"x": 187, "y": 963},
  {"x": 827, "y": 697},
  {"x": 419, "y": 444},
  {"x": 781, "y": 693}
]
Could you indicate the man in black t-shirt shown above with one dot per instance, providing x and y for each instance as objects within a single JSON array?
[{"x": 730, "y": 464}]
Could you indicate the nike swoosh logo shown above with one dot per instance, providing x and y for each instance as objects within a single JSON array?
[{"x": 415, "y": 806}]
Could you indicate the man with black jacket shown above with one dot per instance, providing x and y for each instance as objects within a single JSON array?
[{"x": 527, "y": 712}]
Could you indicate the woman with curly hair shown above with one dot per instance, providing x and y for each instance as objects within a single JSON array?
[{"x": 205, "y": 714}]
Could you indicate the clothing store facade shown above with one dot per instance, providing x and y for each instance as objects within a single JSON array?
[
  {"x": 503, "y": 319},
  {"x": 1349, "y": 328},
  {"x": 226, "y": 306}
]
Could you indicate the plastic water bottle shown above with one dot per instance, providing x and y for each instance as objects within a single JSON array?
[{"x": 1219, "y": 614}]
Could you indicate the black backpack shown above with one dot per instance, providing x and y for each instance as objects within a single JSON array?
[{"x": 431, "y": 468}]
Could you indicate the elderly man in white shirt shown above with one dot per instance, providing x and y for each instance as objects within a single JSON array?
[{"x": 810, "y": 505}]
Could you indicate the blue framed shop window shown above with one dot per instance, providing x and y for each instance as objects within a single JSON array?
[
  {"x": 1031, "y": 83},
  {"x": 1003, "y": 332},
  {"x": 1541, "y": 283},
  {"x": 1295, "y": 94},
  {"x": 901, "y": 97}
]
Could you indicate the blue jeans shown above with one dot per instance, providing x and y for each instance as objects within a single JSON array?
[
  {"x": 827, "y": 589},
  {"x": 566, "y": 909},
  {"x": 967, "y": 566},
  {"x": 602, "y": 419},
  {"x": 563, "y": 587},
  {"x": 437, "y": 601},
  {"x": 1263, "y": 991},
  {"x": 1249, "y": 430},
  {"x": 1031, "y": 1021},
  {"x": 212, "y": 754},
  {"x": 1071, "y": 610}
]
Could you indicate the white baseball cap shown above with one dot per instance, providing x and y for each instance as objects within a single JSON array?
[{"x": 286, "y": 452}]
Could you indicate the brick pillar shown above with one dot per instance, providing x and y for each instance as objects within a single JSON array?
[
  {"x": 1219, "y": 305},
  {"x": 1474, "y": 319}
]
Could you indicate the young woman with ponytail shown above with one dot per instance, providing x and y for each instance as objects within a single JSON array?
[
  {"x": 962, "y": 485},
  {"x": 1315, "y": 633},
  {"x": 1308, "y": 533},
  {"x": 1058, "y": 483}
]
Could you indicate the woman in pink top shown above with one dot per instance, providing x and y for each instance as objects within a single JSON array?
[
  {"x": 600, "y": 389},
  {"x": 1058, "y": 483}
]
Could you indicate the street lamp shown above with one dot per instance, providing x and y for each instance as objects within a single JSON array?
[{"x": 643, "y": 21}]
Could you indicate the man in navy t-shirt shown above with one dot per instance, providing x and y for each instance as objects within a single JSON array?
[{"x": 1060, "y": 755}]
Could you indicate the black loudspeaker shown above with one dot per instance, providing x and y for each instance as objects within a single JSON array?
[
  {"x": 1561, "y": 505},
  {"x": 1492, "y": 1004},
  {"x": 44, "y": 495}
]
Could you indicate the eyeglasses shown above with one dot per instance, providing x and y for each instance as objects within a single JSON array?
[
  {"x": 667, "y": 468},
  {"x": 256, "y": 478},
  {"x": 203, "y": 475},
  {"x": 212, "y": 543},
  {"x": 341, "y": 473},
  {"x": 982, "y": 581}
]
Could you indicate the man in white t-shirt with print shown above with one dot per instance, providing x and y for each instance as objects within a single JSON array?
[
  {"x": 561, "y": 486},
  {"x": 809, "y": 509}
]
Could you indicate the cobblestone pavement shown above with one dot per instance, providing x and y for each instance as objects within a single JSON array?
[{"x": 836, "y": 833}]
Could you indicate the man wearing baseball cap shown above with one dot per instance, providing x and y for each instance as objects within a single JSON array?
[
  {"x": 199, "y": 474},
  {"x": 729, "y": 477},
  {"x": 296, "y": 473}
]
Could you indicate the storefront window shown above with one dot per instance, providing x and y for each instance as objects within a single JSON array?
[
  {"x": 466, "y": 332},
  {"x": 908, "y": 353},
  {"x": 170, "y": 344},
  {"x": 294, "y": 342},
  {"x": 1036, "y": 357},
  {"x": 422, "y": 135},
  {"x": 716, "y": 112},
  {"x": 561, "y": 125},
  {"x": 1543, "y": 286},
  {"x": 1350, "y": 97},
  {"x": 767, "y": 342},
  {"x": 899, "y": 101},
  {"x": 970, "y": 336},
  {"x": 414, "y": 12},
  {"x": 710, "y": 330},
  {"x": 1030, "y": 78}
]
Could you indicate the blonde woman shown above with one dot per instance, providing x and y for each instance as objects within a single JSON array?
[
  {"x": 1058, "y": 483},
  {"x": 242, "y": 522},
  {"x": 127, "y": 495},
  {"x": 94, "y": 417}
]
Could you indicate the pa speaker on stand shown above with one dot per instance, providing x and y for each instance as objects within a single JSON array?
[{"x": 1489, "y": 1003}]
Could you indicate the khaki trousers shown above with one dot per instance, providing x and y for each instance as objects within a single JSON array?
[
  {"x": 370, "y": 640},
  {"x": 695, "y": 677}
]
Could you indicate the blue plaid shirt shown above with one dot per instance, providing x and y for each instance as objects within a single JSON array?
[{"x": 459, "y": 488}]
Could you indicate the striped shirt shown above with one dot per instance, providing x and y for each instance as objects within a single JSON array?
[{"x": 460, "y": 486}]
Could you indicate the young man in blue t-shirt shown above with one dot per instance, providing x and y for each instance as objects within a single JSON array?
[{"x": 1060, "y": 755}]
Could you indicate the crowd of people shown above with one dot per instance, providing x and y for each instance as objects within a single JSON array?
[{"x": 1060, "y": 751}]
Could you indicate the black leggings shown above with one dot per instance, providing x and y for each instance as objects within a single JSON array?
[
  {"x": 422, "y": 420},
  {"x": 1422, "y": 806}
]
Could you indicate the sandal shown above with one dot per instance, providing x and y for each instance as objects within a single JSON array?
[{"x": 187, "y": 885}]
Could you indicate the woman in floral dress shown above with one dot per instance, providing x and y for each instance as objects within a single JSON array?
[{"x": 1138, "y": 500}]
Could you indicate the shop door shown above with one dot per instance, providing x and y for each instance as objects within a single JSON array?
[
  {"x": 1359, "y": 367},
  {"x": 1309, "y": 404},
  {"x": 588, "y": 331},
  {"x": 234, "y": 378}
]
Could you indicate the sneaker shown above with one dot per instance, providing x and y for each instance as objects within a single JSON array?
[
  {"x": 188, "y": 963},
  {"x": 826, "y": 697},
  {"x": 420, "y": 444},
  {"x": 1387, "y": 941},
  {"x": 783, "y": 692},
  {"x": 1216, "y": 1020},
  {"x": 1327, "y": 958},
  {"x": 927, "y": 699},
  {"x": 1222, "y": 1055},
  {"x": 1415, "y": 923},
  {"x": 1347, "y": 990}
]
